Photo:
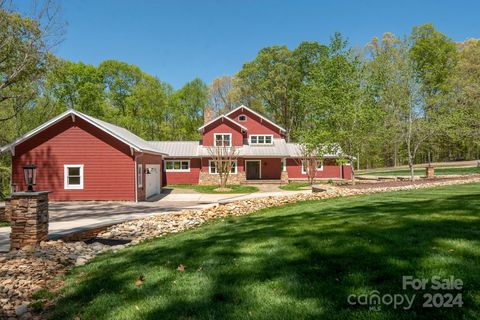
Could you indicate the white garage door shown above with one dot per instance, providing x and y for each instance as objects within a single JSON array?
[{"x": 152, "y": 180}]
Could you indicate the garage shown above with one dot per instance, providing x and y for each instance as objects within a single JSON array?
[{"x": 152, "y": 180}]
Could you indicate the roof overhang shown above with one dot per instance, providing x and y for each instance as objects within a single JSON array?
[
  {"x": 257, "y": 114},
  {"x": 71, "y": 113},
  {"x": 222, "y": 118}
]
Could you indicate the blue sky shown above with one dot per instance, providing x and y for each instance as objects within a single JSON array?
[{"x": 180, "y": 40}]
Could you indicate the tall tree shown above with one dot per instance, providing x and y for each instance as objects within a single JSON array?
[{"x": 221, "y": 95}]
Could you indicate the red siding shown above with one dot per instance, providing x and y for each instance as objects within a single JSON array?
[
  {"x": 145, "y": 159},
  {"x": 223, "y": 127},
  {"x": 255, "y": 124},
  {"x": 191, "y": 177},
  {"x": 108, "y": 165},
  {"x": 294, "y": 170}
]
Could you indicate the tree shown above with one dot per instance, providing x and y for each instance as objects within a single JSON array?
[
  {"x": 187, "y": 106},
  {"x": 275, "y": 78},
  {"x": 221, "y": 95},
  {"x": 224, "y": 159},
  {"x": 25, "y": 43}
]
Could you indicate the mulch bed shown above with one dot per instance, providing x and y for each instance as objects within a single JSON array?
[{"x": 399, "y": 183}]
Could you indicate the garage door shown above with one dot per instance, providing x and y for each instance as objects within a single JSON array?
[{"x": 152, "y": 180}]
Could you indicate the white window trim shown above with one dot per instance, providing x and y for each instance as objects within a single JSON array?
[
  {"x": 242, "y": 115},
  {"x": 305, "y": 172},
  {"x": 177, "y": 170},
  {"x": 210, "y": 167},
  {"x": 140, "y": 176},
  {"x": 221, "y": 134},
  {"x": 284, "y": 163},
  {"x": 260, "y": 144},
  {"x": 65, "y": 177}
]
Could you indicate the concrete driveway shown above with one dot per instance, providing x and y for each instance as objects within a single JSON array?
[{"x": 69, "y": 217}]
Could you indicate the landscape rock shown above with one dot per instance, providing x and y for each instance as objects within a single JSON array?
[{"x": 22, "y": 272}]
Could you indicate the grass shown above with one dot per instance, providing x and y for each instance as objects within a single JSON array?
[
  {"x": 295, "y": 186},
  {"x": 421, "y": 172},
  {"x": 300, "y": 261},
  {"x": 4, "y": 224},
  {"x": 211, "y": 189}
]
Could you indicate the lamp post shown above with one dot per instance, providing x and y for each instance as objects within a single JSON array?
[{"x": 30, "y": 174}]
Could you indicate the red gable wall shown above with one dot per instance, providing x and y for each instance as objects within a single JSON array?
[
  {"x": 223, "y": 127},
  {"x": 255, "y": 124},
  {"x": 108, "y": 165}
]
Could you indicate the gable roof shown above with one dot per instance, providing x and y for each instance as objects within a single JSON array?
[
  {"x": 258, "y": 115},
  {"x": 222, "y": 117},
  {"x": 179, "y": 149},
  {"x": 117, "y": 132}
]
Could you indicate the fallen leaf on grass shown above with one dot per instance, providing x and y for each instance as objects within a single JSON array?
[
  {"x": 181, "y": 268},
  {"x": 139, "y": 281}
]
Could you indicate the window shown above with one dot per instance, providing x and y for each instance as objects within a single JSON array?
[
  {"x": 223, "y": 139},
  {"x": 73, "y": 176},
  {"x": 140, "y": 175},
  {"x": 213, "y": 170},
  {"x": 263, "y": 139},
  {"x": 305, "y": 166},
  {"x": 177, "y": 165},
  {"x": 242, "y": 118}
]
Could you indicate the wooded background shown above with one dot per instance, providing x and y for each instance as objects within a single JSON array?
[{"x": 399, "y": 99}]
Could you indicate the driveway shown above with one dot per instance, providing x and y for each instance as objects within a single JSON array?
[{"x": 68, "y": 217}]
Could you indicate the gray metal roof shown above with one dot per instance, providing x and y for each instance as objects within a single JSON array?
[
  {"x": 121, "y": 134},
  {"x": 186, "y": 149},
  {"x": 294, "y": 150},
  {"x": 124, "y": 134},
  {"x": 178, "y": 148}
]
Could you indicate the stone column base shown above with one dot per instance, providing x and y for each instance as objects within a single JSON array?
[
  {"x": 208, "y": 179},
  {"x": 29, "y": 218}
]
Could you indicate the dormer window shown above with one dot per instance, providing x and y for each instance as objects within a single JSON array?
[
  {"x": 223, "y": 139},
  {"x": 261, "y": 139},
  {"x": 242, "y": 118}
]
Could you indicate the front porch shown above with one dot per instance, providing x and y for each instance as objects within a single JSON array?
[{"x": 249, "y": 171}]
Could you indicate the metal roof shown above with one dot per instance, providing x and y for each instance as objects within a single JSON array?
[
  {"x": 121, "y": 134},
  {"x": 295, "y": 151},
  {"x": 193, "y": 149},
  {"x": 177, "y": 148}
]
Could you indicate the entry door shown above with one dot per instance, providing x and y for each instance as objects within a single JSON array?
[
  {"x": 253, "y": 170},
  {"x": 152, "y": 180}
]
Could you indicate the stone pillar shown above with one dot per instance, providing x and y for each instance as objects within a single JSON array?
[
  {"x": 430, "y": 172},
  {"x": 284, "y": 177},
  {"x": 29, "y": 218}
]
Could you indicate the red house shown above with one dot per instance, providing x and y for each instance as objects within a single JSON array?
[
  {"x": 263, "y": 153},
  {"x": 79, "y": 157}
]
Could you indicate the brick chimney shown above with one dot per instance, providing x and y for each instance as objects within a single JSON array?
[{"x": 208, "y": 114}]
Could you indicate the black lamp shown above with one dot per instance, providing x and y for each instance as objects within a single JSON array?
[{"x": 30, "y": 174}]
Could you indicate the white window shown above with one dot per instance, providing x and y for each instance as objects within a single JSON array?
[
  {"x": 305, "y": 166},
  {"x": 213, "y": 170},
  {"x": 223, "y": 139},
  {"x": 140, "y": 175},
  {"x": 73, "y": 176},
  {"x": 263, "y": 139},
  {"x": 177, "y": 165},
  {"x": 284, "y": 164},
  {"x": 242, "y": 118}
]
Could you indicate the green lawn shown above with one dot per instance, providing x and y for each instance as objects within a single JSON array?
[
  {"x": 300, "y": 261},
  {"x": 421, "y": 172},
  {"x": 211, "y": 189},
  {"x": 295, "y": 186},
  {"x": 4, "y": 223}
]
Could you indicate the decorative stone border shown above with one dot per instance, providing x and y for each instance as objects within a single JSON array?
[{"x": 26, "y": 271}]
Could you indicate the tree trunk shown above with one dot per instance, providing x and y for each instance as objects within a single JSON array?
[{"x": 410, "y": 165}]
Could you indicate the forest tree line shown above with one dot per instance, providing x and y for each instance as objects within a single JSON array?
[{"x": 399, "y": 99}]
